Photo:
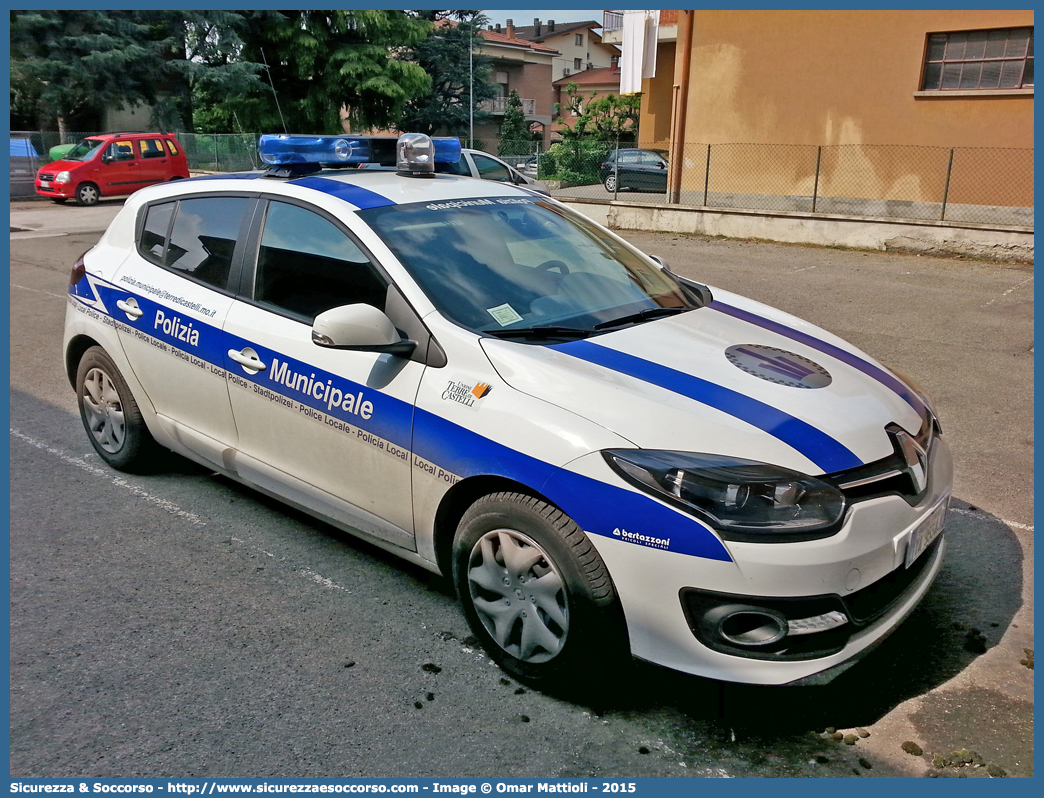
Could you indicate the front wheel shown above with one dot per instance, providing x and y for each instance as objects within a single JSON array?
[
  {"x": 110, "y": 415},
  {"x": 535, "y": 591},
  {"x": 87, "y": 194},
  {"x": 610, "y": 184}
]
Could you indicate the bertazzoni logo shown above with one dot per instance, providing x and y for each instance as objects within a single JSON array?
[{"x": 778, "y": 366}]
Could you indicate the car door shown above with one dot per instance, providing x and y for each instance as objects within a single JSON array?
[
  {"x": 329, "y": 429},
  {"x": 654, "y": 171},
  {"x": 117, "y": 170},
  {"x": 627, "y": 175},
  {"x": 153, "y": 161},
  {"x": 170, "y": 307}
]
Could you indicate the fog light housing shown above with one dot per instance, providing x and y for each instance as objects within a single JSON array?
[{"x": 768, "y": 628}]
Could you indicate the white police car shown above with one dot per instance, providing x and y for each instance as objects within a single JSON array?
[{"x": 604, "y": 456}]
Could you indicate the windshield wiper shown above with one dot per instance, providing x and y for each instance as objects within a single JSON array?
[
  {"x": 540, "y": 332},
  {"x": 641, "y": 315}
]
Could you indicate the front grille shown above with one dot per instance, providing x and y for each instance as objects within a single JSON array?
[
  {"x": 44, "y": 176},
  {"x": 890, "y": 476}
]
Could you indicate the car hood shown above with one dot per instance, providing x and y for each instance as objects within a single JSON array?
[
  {"x": 735, "y": 378},
  {"x": 62, "y": 166}
]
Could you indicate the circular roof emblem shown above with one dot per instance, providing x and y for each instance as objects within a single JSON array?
[{"x": 778, "y": 366}]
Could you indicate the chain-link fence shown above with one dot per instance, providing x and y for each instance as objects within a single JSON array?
[{"x": 964, "y": 184}]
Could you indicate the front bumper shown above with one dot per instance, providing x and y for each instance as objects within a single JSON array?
[
  {"x": 861, "y": 567},
  {"x": 54, "y": 190}
]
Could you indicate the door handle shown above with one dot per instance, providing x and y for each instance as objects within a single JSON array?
[
  {"x": 130, "y": 307},
  {"x": 247, "y": 358}
]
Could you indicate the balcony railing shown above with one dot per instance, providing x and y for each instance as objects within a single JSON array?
[
  {"x": 498, "y": 105},
  {"x": 613, "y": 20}
]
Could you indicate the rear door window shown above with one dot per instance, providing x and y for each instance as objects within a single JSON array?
[
  {"x": 201, "y": 241},
  {"x": 151, "y": 148}
]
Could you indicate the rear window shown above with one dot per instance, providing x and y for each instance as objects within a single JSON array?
[{"x": 171, "y": 146}]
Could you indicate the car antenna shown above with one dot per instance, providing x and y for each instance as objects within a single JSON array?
[{"x": 270, "y": 83}]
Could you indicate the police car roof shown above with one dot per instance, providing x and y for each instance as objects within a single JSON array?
[{"x": 364, "y": 188}]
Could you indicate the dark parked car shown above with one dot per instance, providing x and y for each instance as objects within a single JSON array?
[{"x": 639, "y": 170}]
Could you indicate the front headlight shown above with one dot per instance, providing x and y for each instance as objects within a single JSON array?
[
  {"x": 61, "y": 177},
  {"x": 744, "y": 500}
]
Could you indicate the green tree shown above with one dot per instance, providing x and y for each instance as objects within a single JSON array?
[
  {"x": 213, "y": 68},
  {"x": 317, "y": 63},
  {"x": 69, "y": 65},
  {"x": 612, "y": 118},
  {"x": 449, "y": 55},
  {"x": 514, "y": 137}
]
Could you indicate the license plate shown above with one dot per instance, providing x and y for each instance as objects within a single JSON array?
[
  {"x": 45, "y": 184},
  {"x": 926, "y": 531}
]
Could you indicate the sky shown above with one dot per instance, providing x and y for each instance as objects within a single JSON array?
[{"x": 526, "y": 17}]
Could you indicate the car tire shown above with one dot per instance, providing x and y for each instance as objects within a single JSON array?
[
  {"x": 87, "y": 194},
  {"x": 610, "y": 184},
  {"x": 110, "y": 415},
  {"x": 508, "y": 543}
]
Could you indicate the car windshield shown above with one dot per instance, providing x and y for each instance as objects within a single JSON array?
[
  {"x": 524, "y": 268},
  {"x": 84, "y": 151}
]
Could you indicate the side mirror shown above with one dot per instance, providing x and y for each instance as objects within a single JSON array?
[
  {"x": 106, "y": 158},
  {"x": 360, "y": 328},
  {"x": 661, "y": 262}
]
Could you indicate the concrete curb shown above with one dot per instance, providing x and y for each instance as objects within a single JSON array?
[{"x": 993, "y": 242}]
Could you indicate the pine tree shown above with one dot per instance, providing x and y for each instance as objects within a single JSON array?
[
  {"x": 450, "y": 108},
  {"x": 514, "y": 137}
]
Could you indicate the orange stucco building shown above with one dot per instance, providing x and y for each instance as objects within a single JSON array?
[
  {"x": 832, "y": 77},
  {"x": 870, "y": 103}
]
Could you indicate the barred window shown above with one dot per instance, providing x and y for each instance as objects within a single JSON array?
[{"x": 979, "y": 59}]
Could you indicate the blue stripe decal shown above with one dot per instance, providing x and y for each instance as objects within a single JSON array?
[
  {"x": 599, "y": 508},
  {"x": 817, "y": 446},
  {"x": 854, "y": 361},
  {"x": 453, "y": 451},
  {"x": 358, "y": 196}
]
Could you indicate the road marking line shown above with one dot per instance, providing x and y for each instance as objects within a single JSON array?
[
  {"x": 1013, "y": 288},
  {"x": 37, "y": 291},
  {"x": 1012, "y": 524},
  {"x": 119, "y": 482},
  {"x": 321, "y": 580}
]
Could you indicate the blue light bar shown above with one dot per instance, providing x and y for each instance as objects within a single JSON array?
[
  {"x": 285, "y": 150},
  {"x": 447, "y": 150},
  {"x": 331, "y": 150}
]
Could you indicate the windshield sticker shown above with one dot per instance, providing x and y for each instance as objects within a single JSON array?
[{"x": 504, "y": 314}]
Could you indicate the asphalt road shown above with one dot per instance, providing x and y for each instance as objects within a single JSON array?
[{"x": 181, "y": 625}]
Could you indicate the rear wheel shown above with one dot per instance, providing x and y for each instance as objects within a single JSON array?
[
  {"x": 110, "y": 415},
  {"x": 534, "y": 590},
  {"x": 87, "y": 194},
  {"x": 610, "y": 183}
]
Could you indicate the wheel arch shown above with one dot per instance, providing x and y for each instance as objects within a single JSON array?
[
  {"x": 74, "y": 353},
  {"x": 457, "y": 501}
]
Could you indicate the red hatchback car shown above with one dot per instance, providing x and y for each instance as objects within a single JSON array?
[{"x": 111, "y": 164}]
